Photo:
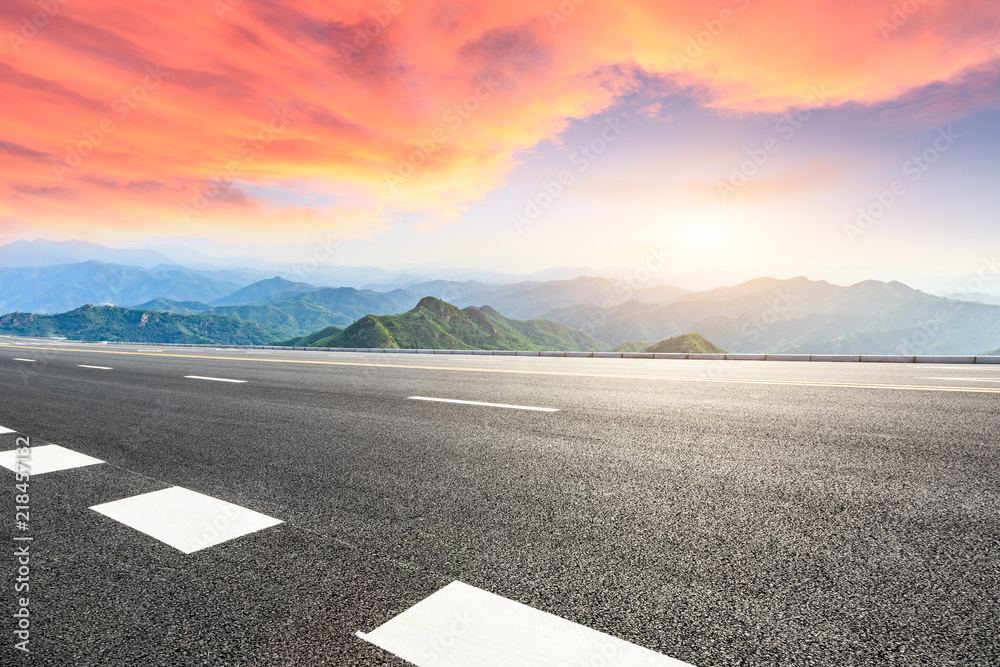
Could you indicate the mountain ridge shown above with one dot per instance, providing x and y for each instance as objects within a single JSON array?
[{"x": 436, "y": 324}]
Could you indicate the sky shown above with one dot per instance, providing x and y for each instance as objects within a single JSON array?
[{"x": 835, "y": 139}]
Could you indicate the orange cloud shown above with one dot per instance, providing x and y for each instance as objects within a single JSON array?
[{"x": 156, "y": 118}]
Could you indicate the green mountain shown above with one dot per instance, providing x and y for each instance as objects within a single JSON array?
[
  {"x": 112, "y": 323},
  {"x": 994, "y": 353},
  {"x": 631, "y": 346},
  {"x": 687, "y": 343},
  {"x": 435, "y": 324}
]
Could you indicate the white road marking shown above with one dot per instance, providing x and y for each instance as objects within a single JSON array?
[
  {"x": 19, "y": 359},
  {"x": 4, "y": 429},
  {"x": 46, "y": 458},
  {"x": 186, "y": 520},
  {"x": 100, "y": 368},
  {"x": 489, "y": 405},
  {"x": 461, "y": 625},
  {"x": 199, "y": 377},
  {"x": 139, "y": 349},
  {"x": 963, "y": 379}
]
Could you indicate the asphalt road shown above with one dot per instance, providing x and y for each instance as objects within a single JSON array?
[{"x": 721, "y": 513}]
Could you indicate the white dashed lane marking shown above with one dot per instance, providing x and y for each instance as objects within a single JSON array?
[
  {"x": 490, "y": 405},
  {"x": 46, "y": 458},
  {"x": 200, "y": 377},
  {"x": 19, "y": 359},
  {"x": 461, "y": 625},
  {"x": 100, "y": 368},
  {"x": 186, "y": 520}
]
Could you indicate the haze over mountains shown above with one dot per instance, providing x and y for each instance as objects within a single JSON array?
[
  {"x": 801, "y": 315},
  {"x": 58, "y": 288},
  {"x": 303, "y": 267},
  {"x": 762, "y": 315}
]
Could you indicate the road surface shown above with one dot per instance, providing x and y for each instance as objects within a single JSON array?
[{"x": 718, "y": 513}]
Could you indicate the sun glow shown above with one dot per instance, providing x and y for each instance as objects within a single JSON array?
[{"x": 705, "y": 236}]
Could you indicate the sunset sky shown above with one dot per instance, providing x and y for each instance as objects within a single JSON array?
[{"x": 739, "y": 135}]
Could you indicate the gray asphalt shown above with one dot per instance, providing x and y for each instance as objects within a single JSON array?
[{"x": 722, "y": 513}]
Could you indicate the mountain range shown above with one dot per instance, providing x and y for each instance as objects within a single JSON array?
[
  {"x": 63, "y": 287},
  {"x": 112, "y": 323},
  {"x": 295, "y": 264},
  {"x": 432, "y": 323},
  {"x": 801, "y": 315},
  {"x": 762, "y": 315},
  {"x": 296, "y": 313},
  {"x": 535, "y": 299}
]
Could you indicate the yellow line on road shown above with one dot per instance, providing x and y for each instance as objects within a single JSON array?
[{"x": 511, "y": 371}]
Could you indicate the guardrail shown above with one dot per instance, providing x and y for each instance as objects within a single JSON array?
[{"x": 848, "y": 358}]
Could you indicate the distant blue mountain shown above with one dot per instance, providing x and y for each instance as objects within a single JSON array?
[{"x": 64, "y": 287}]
